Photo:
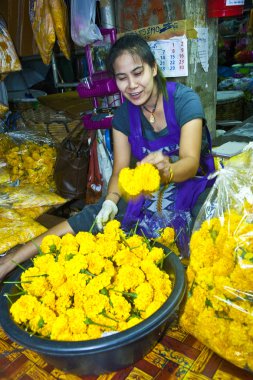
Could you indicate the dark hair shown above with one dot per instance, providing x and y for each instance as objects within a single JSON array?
[{"x": 136, "y": 45}]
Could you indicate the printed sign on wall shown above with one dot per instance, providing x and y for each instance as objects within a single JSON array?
[
  {"x": 234, "y": 2},
  {"x": 171, "y": 55}
]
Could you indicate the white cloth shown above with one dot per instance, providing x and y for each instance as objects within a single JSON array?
[{"x": 107, "y": 212}]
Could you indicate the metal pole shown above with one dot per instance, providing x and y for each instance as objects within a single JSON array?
[{"x": 57, "y": 83}]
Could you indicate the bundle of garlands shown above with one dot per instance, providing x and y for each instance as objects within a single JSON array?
[{"x": 218, "y": 310}]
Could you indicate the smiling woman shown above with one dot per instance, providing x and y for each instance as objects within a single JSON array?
[
  {"x": 175, "y": 140},
  {"x": 164, "y": 117}
]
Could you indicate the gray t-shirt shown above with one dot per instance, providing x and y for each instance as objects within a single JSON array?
[{"x": 187, "y": 107}]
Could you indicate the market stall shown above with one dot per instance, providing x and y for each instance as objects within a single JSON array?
[{"x": 120, "y": 304}]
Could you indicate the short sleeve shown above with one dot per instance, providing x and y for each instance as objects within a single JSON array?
[
  {"x": 188, "y": 105},
  {"x": 120, "y": 120}
]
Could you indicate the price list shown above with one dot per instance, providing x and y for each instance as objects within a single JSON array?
[{"x": 171, "y": 55}]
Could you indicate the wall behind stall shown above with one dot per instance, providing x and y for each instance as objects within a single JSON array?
[
  {"x": 16, "y": 16},
  {"x": 131, "y": 15}
]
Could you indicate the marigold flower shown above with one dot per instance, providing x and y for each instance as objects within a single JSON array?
[
  {"x": 144, "y": 179},
  {"x": 51, "y": 244}
]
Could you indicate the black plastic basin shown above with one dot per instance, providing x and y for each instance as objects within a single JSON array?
[{"x": 104, "y": 355}]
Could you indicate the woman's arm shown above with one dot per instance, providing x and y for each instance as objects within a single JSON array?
[
  {"x": 189, "y": 155},
  {"x": 29, "y": 250}
]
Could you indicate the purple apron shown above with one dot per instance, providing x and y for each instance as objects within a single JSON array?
[{"x": 171, "y": 205}]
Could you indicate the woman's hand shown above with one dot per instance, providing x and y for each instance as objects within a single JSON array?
[
  {"x": 107, "y": 212},
  {"x": 161, "y": 162}
]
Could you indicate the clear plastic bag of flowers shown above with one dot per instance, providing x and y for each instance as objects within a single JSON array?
[
  {"x": 218, "y": 310},
  {"x": 32, "y": 158},
  {"x": 28, "y": 196},
  {"x": 16, "y": 229}
]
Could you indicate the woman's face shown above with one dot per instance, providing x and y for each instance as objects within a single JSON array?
[{"x": 135, "y": 79}]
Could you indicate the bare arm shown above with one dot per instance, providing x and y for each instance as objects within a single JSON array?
[
  {"x": 29, "y": 250},
  {"x": 189, "y": 154},
  {"x": 121, "y": 155}
]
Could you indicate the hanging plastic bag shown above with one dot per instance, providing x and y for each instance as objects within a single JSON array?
[
  {"x": 84, "y": 31},
  {"x": 218, "y": 310},
  {"x": 94, "y": 178},
  {"x": 59, "y": 14},
  {"x": 9, "y": 60},
  {"x": 4, "y": 107},
  {"x": 104, "y": 159},
  {"x": 43, "y": 28}
]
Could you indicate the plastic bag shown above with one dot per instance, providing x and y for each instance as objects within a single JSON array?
[
  {"x": 94, "y": 177},
  {"x": 104, "y": 159},
  {"x": 43, "y": 28},
  {"x": 4, "y": 106},
  {"x": 15, "y": 229},
  {"x": 59, "y": 14},
  {"x": 84, "y": 31},
  {"x": 31, "y": 159},
  {"x": 218, "y": 310},
  {"x": 6, "y": 143},
  {"x": 28, "y": 196},
  {"x": 3, "y": 109},
  {"x": 4, "y": 175},
  {"x": 9, "y": 60}
]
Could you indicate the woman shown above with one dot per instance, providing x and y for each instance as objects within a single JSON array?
[{"x": 161, "y": 123}]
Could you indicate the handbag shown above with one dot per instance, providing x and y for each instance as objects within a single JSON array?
[{"x": 72, "y": 163}]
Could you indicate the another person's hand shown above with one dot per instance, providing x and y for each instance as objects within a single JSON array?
[{"x": 107, "y": 212}]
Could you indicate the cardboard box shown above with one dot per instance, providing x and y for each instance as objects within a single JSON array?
[{"x": 16, "y": 16}]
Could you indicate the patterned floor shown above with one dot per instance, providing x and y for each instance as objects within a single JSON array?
[{"x": 178, "y": 356}]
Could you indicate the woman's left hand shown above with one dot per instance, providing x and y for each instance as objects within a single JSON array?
[{"x": 160, "y": 161}]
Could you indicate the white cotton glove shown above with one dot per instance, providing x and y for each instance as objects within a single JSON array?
[{"x": 107, "y": 212}]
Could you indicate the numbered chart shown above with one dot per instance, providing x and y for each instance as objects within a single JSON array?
[{"x": 171, "y": 55}]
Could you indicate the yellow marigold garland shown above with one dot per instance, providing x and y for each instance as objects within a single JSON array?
[
  {"x": 82, "y": 286},
  {"x": 144, "y": 179},
  {"x": 219, "y": 310}
]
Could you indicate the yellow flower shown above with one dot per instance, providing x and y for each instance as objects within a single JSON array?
[
  {"x": 152, "y": 308},
  {"x": 24, "y": 308},
  {"x": 113, "y": 231},
  {"x": 60, "y": 329},
  {"x": 95, "y": 304},
  {"x": 144, "y": 179},
  {"x": 51, "y": 244},
  {"x": 42, "y": 322},
  {"x": 119, "y": 307},
  {"x": 145, "y": 295},
  {"x": 128, "y": 278},
  {"x": 156, "y": 254},
  {"x": 167, "y": 236},
  {"x": 76, "y": 319}
]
